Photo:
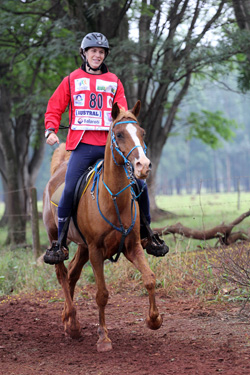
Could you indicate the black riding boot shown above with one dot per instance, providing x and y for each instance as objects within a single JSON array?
[
  {"x": 151, "y": 241},
  {"x": 59, "y": 251},
  {"x": 56, "y": 253}
]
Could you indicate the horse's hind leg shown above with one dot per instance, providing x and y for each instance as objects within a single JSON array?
[
  {"x": 68, "y": 280},
  {"x": 71, "y": 324},
  {"x": 75, "y": 267},
  {"x": 104, "y": 343},
  {"x": 137, "y": 257}
]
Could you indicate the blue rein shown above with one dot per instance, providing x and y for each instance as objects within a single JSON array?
[{"x": 129, "y": 173}]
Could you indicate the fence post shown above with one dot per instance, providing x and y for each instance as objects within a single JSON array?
[
  {"x": 35, "y": 223},
  {"x": 238, "y": 188}
]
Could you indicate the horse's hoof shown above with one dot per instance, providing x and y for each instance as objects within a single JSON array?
[
  {"x": 154, "y": 324},
  {"x": 74, "y": 333},
  {"x": 104, "y": 346}
]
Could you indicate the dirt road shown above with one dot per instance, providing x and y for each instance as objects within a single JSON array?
[{"x": 194, "y": 338}]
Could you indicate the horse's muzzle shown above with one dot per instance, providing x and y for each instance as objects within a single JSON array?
[{"x": 142, "y": 168}]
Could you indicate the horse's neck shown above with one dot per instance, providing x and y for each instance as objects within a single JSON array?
[{"x": 114, "y": 176}]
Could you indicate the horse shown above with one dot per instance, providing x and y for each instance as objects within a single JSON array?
[{"x": 108, "y": 222}]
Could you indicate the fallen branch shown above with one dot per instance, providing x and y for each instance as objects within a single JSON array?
[{"x": 222, "y": 231}]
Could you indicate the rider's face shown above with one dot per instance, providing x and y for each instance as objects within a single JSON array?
[{"x": 95, "y": 56}]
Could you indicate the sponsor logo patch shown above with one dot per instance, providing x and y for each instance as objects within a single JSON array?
[
  {"x": 82, "y": 84},
  {"x": 107, "y": 118},
  {"x": 88, "y": 121},
  {"x": 79, "y": 100},
  {"x": 109, "y": 102},
  {"x": 88, "y": 113},
  {"x": 105, "y": 86}
]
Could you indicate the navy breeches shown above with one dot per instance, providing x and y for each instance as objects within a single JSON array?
[{"x": 80, "y": 159}]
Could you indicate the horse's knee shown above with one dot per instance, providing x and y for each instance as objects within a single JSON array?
[
  {"x": 150, "y": 281},
  {"x": 102, "y": 297}
]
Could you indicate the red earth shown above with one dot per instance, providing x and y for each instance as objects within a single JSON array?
[{"x": 195, "y": 338}]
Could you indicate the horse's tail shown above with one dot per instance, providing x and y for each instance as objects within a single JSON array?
[{"x": 59, "y": 156}]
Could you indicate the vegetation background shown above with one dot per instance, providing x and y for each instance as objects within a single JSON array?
[
  {"x": 162, "y": 51},
  {"x": 186, "y": 60}
]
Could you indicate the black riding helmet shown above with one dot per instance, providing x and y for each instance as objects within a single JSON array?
[{"x": 93, "y": 40}]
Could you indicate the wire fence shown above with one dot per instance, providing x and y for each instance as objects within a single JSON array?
[
  {"x": 31, "y": 215},
  {"x": 188, "y": 185},
  {"x": 237, "y": 188}
]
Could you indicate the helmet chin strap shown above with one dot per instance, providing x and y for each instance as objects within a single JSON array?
[
  {"x": 94, "y": 69},
  {"x": 87, "y": 63}
]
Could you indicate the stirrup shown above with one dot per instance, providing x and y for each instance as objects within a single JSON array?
[
  {"x": 154, "y": 245},
  {"x": 56, "y": 254}
]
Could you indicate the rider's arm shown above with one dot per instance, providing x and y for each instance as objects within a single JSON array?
[{"x": 56, "y": 106}]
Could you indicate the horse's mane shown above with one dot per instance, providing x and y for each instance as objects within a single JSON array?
[{"x": 59, "y": 156}]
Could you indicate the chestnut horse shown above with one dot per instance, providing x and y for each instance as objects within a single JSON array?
[{"x": 104, "y": 221}]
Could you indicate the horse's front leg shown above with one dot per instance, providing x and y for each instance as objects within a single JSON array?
[
  {"x": 71, "y": 324},
  {"x": 137, "y": 257},
  {"x": 104, "y": 343}
]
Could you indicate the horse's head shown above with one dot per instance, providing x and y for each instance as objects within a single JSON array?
[{"x": 127, "y": 140}]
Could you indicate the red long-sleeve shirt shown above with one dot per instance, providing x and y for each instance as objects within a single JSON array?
[{"x": 91, "y": 97}]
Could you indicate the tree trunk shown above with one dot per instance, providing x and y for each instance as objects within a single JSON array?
[
  {"x": 17, "y": 169},
  {"x": 242, "y": 13},
  {"x": 16, "y": 227}
]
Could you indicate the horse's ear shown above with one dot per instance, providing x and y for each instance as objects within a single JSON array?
[
  {"x": 115, "y": 111},
  {"x": 136, "y": 109}
]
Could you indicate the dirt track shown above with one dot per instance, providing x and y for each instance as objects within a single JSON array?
[{"x": 194, "y": 339}]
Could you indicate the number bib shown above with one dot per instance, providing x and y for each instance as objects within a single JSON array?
[{"x": 91, "y": 102}]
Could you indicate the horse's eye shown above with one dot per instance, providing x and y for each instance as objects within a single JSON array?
[{"x": 119, "y": 135}]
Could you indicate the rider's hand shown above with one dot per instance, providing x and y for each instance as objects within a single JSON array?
[{"x": 52, "y": 139}]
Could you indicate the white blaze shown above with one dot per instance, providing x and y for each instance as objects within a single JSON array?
[{"x": 132, "y": 131}]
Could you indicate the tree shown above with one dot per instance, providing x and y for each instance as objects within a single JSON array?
[
  {"x": 27, "y": 67},
  {"x": 157, "y": 47},
  {"x": 173, "y": 44},
  {"x": 242, "y": 14}
]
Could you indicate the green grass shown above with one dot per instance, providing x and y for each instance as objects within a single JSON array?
[
  {"x": 208, "y": 209},
  {"x": 183, "y": 271},
  {"x": 203, "y": 212}
]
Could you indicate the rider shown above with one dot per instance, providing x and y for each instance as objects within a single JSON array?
[{"x": 90, "y": 92}]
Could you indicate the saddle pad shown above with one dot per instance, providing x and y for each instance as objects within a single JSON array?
[
  {"x": 57, "y": 194},
  {"x": 81, "y": 186}
]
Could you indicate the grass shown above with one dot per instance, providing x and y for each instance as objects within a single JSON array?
[
  {"x": 184, "y": 271},
  {"x": 203, "y": 212}
]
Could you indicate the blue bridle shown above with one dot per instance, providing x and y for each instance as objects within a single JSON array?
[
  {"x": 129, "y": 173},
  {"x": 115, "y": 145}
]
